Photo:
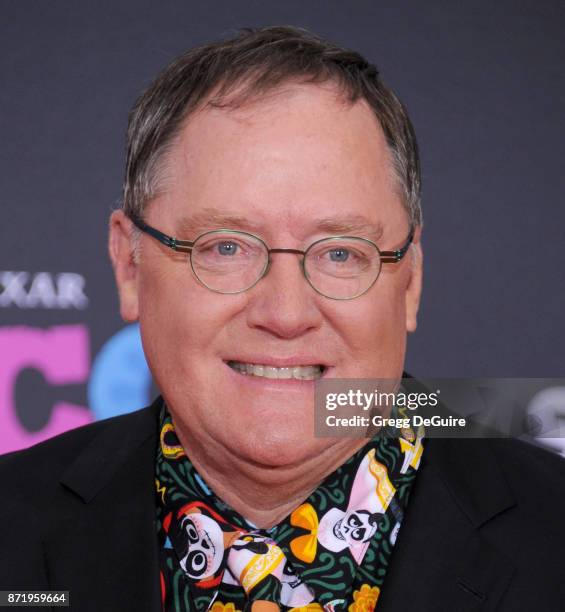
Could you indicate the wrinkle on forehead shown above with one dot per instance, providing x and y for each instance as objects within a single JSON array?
[{"x": 210, "y": 218}]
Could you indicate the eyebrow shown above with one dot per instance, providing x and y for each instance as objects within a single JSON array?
[
  {"x": 351, "y": 225},
  {"x": 212, "y": 218}
]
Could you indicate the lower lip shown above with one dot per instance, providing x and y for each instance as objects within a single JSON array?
[{"x": 273, "y": 383}]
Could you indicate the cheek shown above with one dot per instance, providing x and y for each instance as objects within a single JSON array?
[
  {"x": 181, "y": 321},
  {"x": 374, "y": 333}
]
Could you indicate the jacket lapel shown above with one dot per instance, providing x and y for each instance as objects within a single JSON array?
[
  {"x": 111, "y": 520},
  {"x": 441, "y": 561}
]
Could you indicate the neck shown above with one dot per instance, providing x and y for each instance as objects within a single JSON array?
[{"x": 263, "y": 494}]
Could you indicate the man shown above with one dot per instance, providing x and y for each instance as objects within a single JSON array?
[{"x": 270, "y": 238}]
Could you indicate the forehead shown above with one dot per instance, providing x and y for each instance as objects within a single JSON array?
[{"x": 299, "y": 154}]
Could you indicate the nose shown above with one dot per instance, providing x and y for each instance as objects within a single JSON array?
[{"x": 282, "y": 302}]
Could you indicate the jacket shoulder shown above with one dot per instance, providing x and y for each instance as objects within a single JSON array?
[
  {"x": 525, "y": 462},
  {"x": 45, "y": 489},
  {"x": 533, "y": 473},
  {"x": 32, "y": 474}
]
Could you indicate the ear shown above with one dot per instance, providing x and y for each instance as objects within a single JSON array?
[
  {"x": 414, "y": 287},
  {"x": 125, "y": 268}
]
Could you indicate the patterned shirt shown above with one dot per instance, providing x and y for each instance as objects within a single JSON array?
[{"x": 331, "y": 553}]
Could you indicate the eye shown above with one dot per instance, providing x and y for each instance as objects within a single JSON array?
[
  {"x": 227, "y": 248},
  {"x": 196, "y": 563},
  {"x": 339, "y": 255},
  {"x": 358, "y": 534},
  {"x": 288, "y": 570},
  {"x": 343, "y": 256},
  {"x": 354, "y": 521},
  {"x": 191, "y": 532}
]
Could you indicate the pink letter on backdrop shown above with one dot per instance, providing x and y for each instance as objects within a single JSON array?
[{"x": 61, "y": 354}]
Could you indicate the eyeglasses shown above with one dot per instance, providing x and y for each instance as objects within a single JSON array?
[{"x": 231, "y": 261}]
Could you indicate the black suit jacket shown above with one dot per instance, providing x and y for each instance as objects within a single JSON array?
[{"x": 484, "y": 529}]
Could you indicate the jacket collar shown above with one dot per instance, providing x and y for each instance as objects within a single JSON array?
[{"x": 111, "y": 448}]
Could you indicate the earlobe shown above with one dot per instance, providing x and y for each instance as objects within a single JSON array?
[
  {"x": 414, "y": 288},
  {"x": 125, "y": 268}
]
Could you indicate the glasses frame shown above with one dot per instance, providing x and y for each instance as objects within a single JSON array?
[{"x": 186, "y": 246}]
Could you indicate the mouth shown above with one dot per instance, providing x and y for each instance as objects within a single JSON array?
[{"x": 296, "y": 372}]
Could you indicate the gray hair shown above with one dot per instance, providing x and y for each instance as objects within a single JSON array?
[{"x": 255, "y": 62}]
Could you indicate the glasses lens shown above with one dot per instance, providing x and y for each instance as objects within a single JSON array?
[
  {"x": 342, "y": 268},
  {"x": 228, "y": 262}
]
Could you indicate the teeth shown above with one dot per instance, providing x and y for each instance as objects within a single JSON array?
[{"x": 298, "y": 372}]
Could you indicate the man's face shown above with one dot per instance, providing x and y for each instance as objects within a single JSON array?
[
  {"x": 355, "y": 527},
  {"x": 295, "y": 168}
]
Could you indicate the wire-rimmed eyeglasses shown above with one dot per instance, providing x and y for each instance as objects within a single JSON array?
[{"x": 232, "y": 261}]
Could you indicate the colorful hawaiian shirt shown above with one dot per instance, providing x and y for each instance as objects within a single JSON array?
[{"x": 331, "y": 553}]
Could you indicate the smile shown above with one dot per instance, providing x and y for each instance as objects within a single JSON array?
[{"x": 310, "y": 372}]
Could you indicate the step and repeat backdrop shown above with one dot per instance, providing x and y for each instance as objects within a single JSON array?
[{"x": 483, "y": 83}]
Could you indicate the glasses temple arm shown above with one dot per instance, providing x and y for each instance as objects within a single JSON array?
[
  {"x": 395, "y": 256},
  {"x": 169, "y": 241}
]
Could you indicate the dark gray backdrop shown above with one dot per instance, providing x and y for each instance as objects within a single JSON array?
[{"x": 483, "y": 82}]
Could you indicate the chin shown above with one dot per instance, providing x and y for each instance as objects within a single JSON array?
[{"x": 281, "y": 449}]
